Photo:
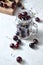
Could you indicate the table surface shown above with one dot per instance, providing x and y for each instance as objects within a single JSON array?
[{"x": 8, "y": 29}]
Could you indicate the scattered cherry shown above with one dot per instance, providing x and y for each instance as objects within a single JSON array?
[
  {"x": 12, "y": 45},
  {"x": 17, "y": 45},
  {"x": 15, "y": 38},
  {"x": 35, "y": 41},
  {"x": 37, "y": 19},
  {"x": 31, "y": 45},
  {"x": 19, "y": 59}
]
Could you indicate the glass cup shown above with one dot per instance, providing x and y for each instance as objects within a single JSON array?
[{"x": 26, "y": 28}]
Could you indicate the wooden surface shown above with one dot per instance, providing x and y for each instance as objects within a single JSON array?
[{"x": 9, "y": 11}]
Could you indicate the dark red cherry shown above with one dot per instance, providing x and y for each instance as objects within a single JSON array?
[
  {"x": 37, "y": 19},
  {"x": 31, "y": 45},
  {"x": 17, "y": 45},
  {"x": 28, "y": 17},
  {"x": 19, "y": 59},
  {"x": 19, "y": 41},
  {"x": 35, "y": 41},
  {"x": 12, "y": 45},
  {"x": 15, "y": 38}
]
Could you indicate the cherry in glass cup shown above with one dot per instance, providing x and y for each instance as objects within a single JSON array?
[{"x": 26, "y": 25}]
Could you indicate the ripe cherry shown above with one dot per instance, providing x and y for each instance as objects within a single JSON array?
[
  {"x": 19, "y": 59},
  {"x": 37, "y": 19},
  {"x": 31, "y": 45},
  {"x": 12, "y": 45},
  {"x": 17, "y": 45},
  {"x": 15, "y": 38},
  {"x": 35, "y": 41}
]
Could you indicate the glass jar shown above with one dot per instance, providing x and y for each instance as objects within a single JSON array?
[{"x": 25, "y": 28}]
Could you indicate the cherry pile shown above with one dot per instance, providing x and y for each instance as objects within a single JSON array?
[
  {"x": 18, "y": 42},
  {"x": 24, "y": 16},
  {"x": 23, "y": 30},
  {"x": 14, "y": 4},
  {"x": 2, "y": 4}
]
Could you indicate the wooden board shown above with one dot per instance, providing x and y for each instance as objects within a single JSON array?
[{"x": 10, "y": 10}]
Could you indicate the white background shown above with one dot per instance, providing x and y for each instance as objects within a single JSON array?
[{"x": 8, "y": 29}]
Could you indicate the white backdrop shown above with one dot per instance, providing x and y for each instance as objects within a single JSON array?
[{"x": 8, "y": 29}]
